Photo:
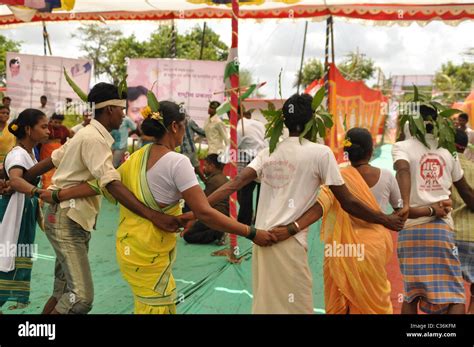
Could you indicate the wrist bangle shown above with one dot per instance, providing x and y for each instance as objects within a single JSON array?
[
  {"x": 253, "y": 232},
  {"x": 292, "y": 229},
  {"x": 432, "y": 211},
  {"x": 55, "y": 196},
  {"x": 297, "y": 226}
]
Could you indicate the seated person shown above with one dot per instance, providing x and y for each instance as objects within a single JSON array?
[{"x": 200, "y": 232}]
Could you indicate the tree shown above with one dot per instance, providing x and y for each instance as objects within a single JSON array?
[
  {"x": 108, "y": 48},
  {"x": 356, "y": 67},
  {"x": 312, "y": 70},
  {"x": 454, "y": 81},
  {"x": 97, "y": 42},
  {"x": 120, "y": 51},
  {"x": 6, "y": 45}
]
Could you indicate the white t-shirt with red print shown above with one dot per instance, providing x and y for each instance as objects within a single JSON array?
[{"x": 433, "y": 172}]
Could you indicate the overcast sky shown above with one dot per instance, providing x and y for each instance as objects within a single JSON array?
[{"x": 267, "y": 47}]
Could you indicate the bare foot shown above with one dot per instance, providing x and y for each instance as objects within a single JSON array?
[
  {"x": 18, "y": 306},
  {"x": 227, "y": 252},
  {"x": 50, "y": 305}
]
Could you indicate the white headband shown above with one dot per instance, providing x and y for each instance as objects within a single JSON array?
[{"x": 113, "y": 102}]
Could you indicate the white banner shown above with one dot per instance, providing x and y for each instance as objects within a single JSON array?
[
  {"x": 192, "y": 82},
  {"x": 31, "y": 76}
]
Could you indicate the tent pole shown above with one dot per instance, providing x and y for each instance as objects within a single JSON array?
[
  {"x": 326, "y": 59},
  {"x": 234, "y": 102},
  {"x": 202, "y": 40},
  {"x": 302, "y": 56},
  {"x": 332, "y": 40},
  {"x": 46, "y": 43},
  {"x": 173, "y": 40}
]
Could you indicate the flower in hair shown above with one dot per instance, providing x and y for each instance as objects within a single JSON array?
[
  {"x": 156, "y": 116},
  {"x": 146, "y": 112},
  {"x": 347, "y": 143},
  {"x": 14, "y": 127}
]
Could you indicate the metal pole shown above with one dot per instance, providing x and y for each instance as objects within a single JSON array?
[
  {"x": 202, "y": 40},
  {"x": 173, "y": 40},
  {"x": 234, "y": 102},
  {"x": 302, "y": 56}
]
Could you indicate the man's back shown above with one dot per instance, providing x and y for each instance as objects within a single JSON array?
[
  {"x": 214, "y": 182},
  {"x": 290, "y": 179}
]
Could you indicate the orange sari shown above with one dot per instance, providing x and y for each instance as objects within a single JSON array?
[
  {"x": 45, "y": 152},
  {"x": 353, "y": 283}
]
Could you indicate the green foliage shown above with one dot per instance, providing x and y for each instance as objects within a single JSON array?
[
  {"x": 454, "y": 81},
  {"x": 312, "y": 70},
  {"x": 75, "y": 87},
  {"x": 357, "y": 67},
  {"x": 443, "y": 126},
  {"x": 97, "y": 40},
  {"x": 321, "y": 121},
  {"x": 108, "y": 48},
  {"x": 314, "y": 128}
]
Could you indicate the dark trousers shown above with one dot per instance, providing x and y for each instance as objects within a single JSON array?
[
  {"x": 245, "y": 197},
  {"x": 200, "y": 233}
]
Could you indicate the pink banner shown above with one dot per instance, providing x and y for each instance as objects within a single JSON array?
[
  {"x": 31, "y": 76},
  {"x": 192, "y": 82}
]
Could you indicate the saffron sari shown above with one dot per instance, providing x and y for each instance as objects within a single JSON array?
[{"x": 353, "y": 284}]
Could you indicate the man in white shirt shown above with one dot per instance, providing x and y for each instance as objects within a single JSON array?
[
  {"x": 216, "y": 131},
  {"x": 86, "y": 119},
  {"x": 250, "y": 141},
  {"x": 291, "y": 177},
  {"x": 43, "y": 107},
  {"x": 426, "y": 247}
]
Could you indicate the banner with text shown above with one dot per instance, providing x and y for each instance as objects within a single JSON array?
[
  {"x": 192, "y": 82},
  {"x": 31, "y": 76}
]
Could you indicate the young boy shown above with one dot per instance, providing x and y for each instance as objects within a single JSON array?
[{"x": 200, "y": 232}]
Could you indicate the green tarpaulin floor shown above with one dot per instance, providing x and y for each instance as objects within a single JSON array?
[{"x": 206, "y": 284}]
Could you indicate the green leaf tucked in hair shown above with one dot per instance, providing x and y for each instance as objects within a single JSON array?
[
  {"x": 75, "y": 87},
  {"x": 122, "y": 87},
  {"x": 152, "y": 101},
  {"x": 443, "y": 127},
  {"x": 318, "y": 99}
]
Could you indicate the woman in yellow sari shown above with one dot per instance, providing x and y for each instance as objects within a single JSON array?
[{"x": 160, "y": 177}]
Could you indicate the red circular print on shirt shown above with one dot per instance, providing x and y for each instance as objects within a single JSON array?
[{"x": 432, "y": 168}]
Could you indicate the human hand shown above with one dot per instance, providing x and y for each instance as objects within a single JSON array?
[
  {"x": 46, "y": 195},
  {"x": 404, "y": 212},
  {"x": 442, "y": 208},
  {"x": 281, "y": 233},
  {"x": 264, "y": 238},
  {"x": 5, "y": 188},
  {"x": 394, "y": 221},
  {"x": 167, "y": 223}
]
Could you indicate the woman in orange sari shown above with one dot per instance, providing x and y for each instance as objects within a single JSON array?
[
  {"x": 356, "y": 252},
  {"x": 58, "y": 135}
]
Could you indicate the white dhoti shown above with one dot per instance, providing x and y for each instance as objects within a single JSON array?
[{"x": 282, "y": 281}]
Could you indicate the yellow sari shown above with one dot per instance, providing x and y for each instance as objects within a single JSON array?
[
  {"x": 146, "y": 254},
  {"x": 352, "y": 285}
]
